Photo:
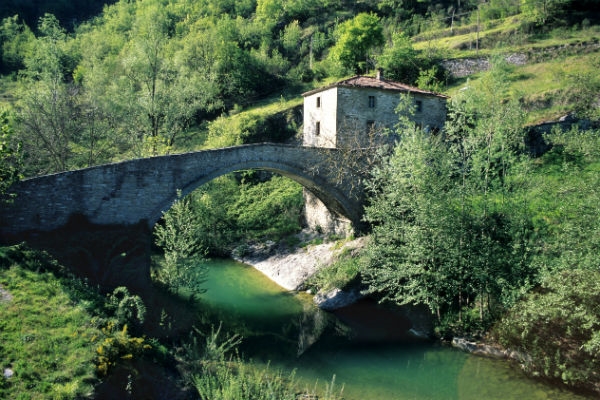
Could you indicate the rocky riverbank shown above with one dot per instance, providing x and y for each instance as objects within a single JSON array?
[{"x": 291, "y": 267}]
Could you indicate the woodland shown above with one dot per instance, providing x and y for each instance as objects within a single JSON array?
[{"x": 498, "y": 238}]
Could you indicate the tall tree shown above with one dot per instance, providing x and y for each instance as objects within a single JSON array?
[
  {"x": 445, "y": 231},
  {"x": 542, "y": 12},
  {"x": 412, "y": 257},
  {"x": 10, "y": 154},
  {"x": 47, "y": 107},
  {"x": 400, "y": 60},
  {"x": 177, "y": 235},
  {"x": 15, "y": 38},
  {"x": 355, "y": 38}
]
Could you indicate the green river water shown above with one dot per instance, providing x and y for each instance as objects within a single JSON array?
[{"x": 363, "y": 347}]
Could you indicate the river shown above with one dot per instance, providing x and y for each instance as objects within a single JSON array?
[{"x": 366, "y": 358}]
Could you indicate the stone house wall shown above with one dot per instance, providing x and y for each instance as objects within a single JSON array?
[
  {"x": 320, "y": 121},
  {"x": 344, "y": 116},
  {"x": 351, "y": 117}
]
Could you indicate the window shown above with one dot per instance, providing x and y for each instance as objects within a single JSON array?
[
  {"x": 419, "y": 106},
  {"x": 371, "y": 101},
  {"x": 318, "y": 102},
  {"x": 371, "y": 127},
  {"x": 318, "y": 128}
]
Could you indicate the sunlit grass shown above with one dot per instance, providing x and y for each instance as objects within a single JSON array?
[{"x": 46, "y": 338}]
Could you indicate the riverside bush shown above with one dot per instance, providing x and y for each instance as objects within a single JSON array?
[{"x": 558, "y": 327}]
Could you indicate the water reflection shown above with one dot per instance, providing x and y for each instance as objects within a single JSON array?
[{"x": 365, "y": 346}]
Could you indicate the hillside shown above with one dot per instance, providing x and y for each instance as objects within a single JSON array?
[{"x": 494, "y": 240}]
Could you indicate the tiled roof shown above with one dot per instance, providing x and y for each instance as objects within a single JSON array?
[{"x": 375, "y": 83}]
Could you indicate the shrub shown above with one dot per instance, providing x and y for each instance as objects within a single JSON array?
[{"x": 558, "y": 328}]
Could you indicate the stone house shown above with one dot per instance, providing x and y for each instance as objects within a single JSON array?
[
  {"x": 345, "y": 113},
  {"x": 352, "y": 114}
]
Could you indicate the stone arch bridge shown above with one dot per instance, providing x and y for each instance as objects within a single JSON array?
[
  {"x": 138, "y": 191},
  {"x": 98, "y": 221}
]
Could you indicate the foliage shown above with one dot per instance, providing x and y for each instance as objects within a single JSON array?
[
  {"x": 557, "y": 327},
  {"x": 177, "y": 236},
  {"x": 544, "y": 11},
  {"x": 217, "y": 375},
  {"x": 127, "y": 308},
  {"x": 217, "y": 229},
  {"x": 249, "y": 127},
  {"x": 15, "y": 38},
  {"x": 10, "y": 154},
  {"x": 117, "y": 346},
  {"x": 270, "y": 209},
  {"x": 581, "y": 91},
  {"x": 564, "y": 209},
  {"x": 355, "y": 39},
  {"x": 228, "y": 381},
  {"x": 400, "y": 60},
  {"x": 245, "y": 206},
  {"x": 446, "y": 233},
  {"x": 47, "y": 108},
  {"x": 30, "y": 11},
  {"x": 47, "y": 334},
  {"x": 340, "y": 274}
]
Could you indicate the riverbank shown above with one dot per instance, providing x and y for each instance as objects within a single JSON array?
[{"x": 291, "y": 266}]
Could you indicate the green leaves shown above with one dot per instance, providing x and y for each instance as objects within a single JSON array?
[
  {"x": 446, "y": 232},
  {"x": 354, "y": 40},
  {"x": 400, "y": 60},
  {"x": 10, "y": 153},
  {"x": 177, "y": 236},
  {"x": 411, "y": 212},
  {"x": 543, "y": 11},
  {"x": 558, "y": 327}
]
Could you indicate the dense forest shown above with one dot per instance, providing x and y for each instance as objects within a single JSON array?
[{"x": 497, "y": 239}]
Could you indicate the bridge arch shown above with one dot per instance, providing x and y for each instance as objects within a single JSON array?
[
  {"x": 332, "y": 197},
  {"x": 135, "y": 191}
]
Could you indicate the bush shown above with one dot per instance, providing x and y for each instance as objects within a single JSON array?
[{"x": 557, "y": 327}]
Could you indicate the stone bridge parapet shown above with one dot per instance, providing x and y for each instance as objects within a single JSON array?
[{"x": 135, "y": 191}]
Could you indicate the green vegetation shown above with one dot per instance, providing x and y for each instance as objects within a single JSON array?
[
  {"x": 557, "y": 328},
  {"x": 447, "y": 233},
  {"x": 355, "y": 38},
  {"x": 217, "y": 372},
  {"x": 10, "y": 155},
  {"x": 471, "y": 226},
  {"x": 58, "y": 334},
  {"x": 178, "y": 237},
  {"x": 48, "y": 337},
  {"x": 467, "y": 225}
]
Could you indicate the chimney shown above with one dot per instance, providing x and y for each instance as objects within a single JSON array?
[{"x": 379, "y": 74}]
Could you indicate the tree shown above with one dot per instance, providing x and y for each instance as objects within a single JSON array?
[
  {"x": 445, "y": 231},
  {"x": 558, "y": 327},
  {"x": 355, "y": 38},
  {"x": 47, "y": 108},
  {"x": 10, "y": 154},
  {"x": 400, "y": 60},
  {"x": 15, "y": 38},
  {"x": 412, "y": 257},
  {"x": 543, "y": 11},
  {"x": 176, "y": 234}
]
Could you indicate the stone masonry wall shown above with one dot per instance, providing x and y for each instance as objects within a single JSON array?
[
  {"x": 135, "y": 191},
  {"x": 320, "y": 108}
]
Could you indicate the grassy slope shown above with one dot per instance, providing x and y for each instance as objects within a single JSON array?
[
  {"x": 553, "y": 59},
  {"x": 46, "y": 338}
]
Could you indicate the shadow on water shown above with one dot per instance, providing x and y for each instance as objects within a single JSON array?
[{"x": 367, "y": 347}]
